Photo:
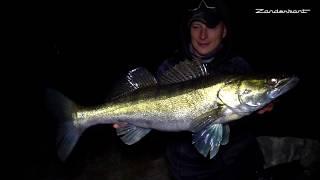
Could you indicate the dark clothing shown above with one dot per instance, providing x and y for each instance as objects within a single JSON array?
[{"x": 241, "y": 158}]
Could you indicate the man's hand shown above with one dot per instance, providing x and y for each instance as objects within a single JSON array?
[
  {"x": 119, "y": 125},
  {"x": 267, "y": 108}
]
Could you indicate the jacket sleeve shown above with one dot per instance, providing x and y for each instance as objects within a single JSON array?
[
  {"x": 240, "y": 65},
  {"x": 234, "y": 65}
]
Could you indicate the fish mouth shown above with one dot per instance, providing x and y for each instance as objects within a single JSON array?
[{"x": 283, "y": 86}]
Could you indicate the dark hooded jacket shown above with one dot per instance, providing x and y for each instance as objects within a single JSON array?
[{"x": 241, "y": 158}]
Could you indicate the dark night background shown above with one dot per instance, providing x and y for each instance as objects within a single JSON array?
[{"x": 83, "y": 48}]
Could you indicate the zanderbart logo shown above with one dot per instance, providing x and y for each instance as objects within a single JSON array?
[{"x": 282, "y": 11}]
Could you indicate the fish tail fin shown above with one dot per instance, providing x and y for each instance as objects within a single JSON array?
[{"x": 67, "y": 134}]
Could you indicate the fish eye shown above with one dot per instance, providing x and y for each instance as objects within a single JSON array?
[
  {"x": 246, "y": 91},
  {"x": 272, "y": 82}
]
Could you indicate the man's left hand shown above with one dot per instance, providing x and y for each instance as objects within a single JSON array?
[{"x": 267, "y": 108}]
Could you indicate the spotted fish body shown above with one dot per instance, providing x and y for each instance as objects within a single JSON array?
[
  {"x": 185, "y": 98},
  {"x": 169, "y": 108}
]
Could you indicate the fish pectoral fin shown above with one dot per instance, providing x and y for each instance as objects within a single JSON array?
[
  {"x": 225, "y": 135},
  {"x": 209, "y": 133},
  {"x": 208, "y": 140},
  {"x": 131, "y": 134},
  {"x": 206, "y": 118}
]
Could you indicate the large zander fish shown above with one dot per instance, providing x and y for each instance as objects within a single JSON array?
[{"x": 184, "y": 98}]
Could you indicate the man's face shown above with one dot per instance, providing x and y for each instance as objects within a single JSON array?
[{"x": 204, "y": 39}]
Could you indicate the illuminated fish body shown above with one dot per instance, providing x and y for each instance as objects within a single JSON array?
[{"x": 185, "y": 98}]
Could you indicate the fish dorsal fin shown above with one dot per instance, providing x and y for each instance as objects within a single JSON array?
[
  {"x": 209, "y": 133},
  {"x": 135, "y": 79},
  {"x": 183, "y": 71}
]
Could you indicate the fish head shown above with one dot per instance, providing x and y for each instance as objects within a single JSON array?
[
  {"x": 249, "y": 93},
  {"x": 256, "y": 92}
]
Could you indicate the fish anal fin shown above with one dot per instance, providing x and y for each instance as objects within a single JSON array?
[{"x": 131, "y": 134}]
